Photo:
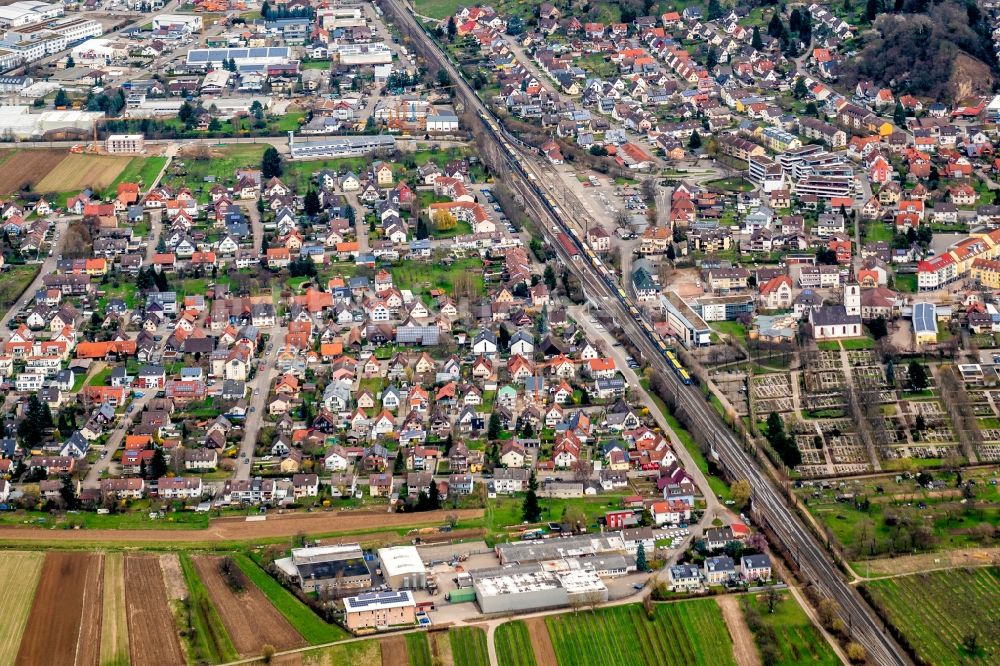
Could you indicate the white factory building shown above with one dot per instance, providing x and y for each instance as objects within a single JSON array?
[
  {"x": 28, "y": 12},
  {"x": 519, "y": 589},
  {"x": 187, "y": 22},
  {"x": 245, "y": 58},
  {"x": 341, "y": 146},
  {"x": 361, "y": 54},
  {"x": 402, "y": 568},
  {"x": 19, "y": 123},
  {"x": 99, "y": 51},
  {"x": 76, "y": 29}
]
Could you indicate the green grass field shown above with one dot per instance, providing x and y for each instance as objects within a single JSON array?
[
  {"x": 422, "y": 277},
  {"x": 142, "y": 170},
  {"x": 438, "y": 9},
  {"x": 114, "y": 621},
  {"x": 14, "y": 280},
  {"x": 685, "y": 633},
  {"x": 468, "y": 646},
  {"x": 418, "y": 649},
  {"x": 358, "y": 653},
  {"x": 312, "y": 628},
  {"x": 208, "y": 640},
  {"x": 935, "y": 611},
  {"x": 513, "y": 645},
  {"x": 798, "y": 641}
]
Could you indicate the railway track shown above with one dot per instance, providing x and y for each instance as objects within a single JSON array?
[{"x": 521, "y": 175}]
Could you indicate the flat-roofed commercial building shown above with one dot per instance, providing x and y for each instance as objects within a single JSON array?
[
  {"x": 125, "y": 143},
  {"x": 402, "y": 568},
  {"x": 380, "y": 610},
  {"x": 332, "y": 569}
]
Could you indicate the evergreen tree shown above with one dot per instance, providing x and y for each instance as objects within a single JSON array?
[
  {"x": 800, "y": 90},
  {"x": 899, "y": 115},
  {"x": 694, "y": 143},
  {"x": 756, "y": 41},
  {"x": 62, "y": 99},
  {"x": 349, "y": 214},
  {"x": 433, "y": 496},
  {"x": 640, "y": 559},
  {"x": 422, "y": 231},
  {"x": 452, "y": 28},
  {"x": 918, "y": 376},
  {"x": 68, "y": 493},
  {"x": 32, "y": 427},
  {"x": 311, "y": 203},
  {"x": 493, "y": 430},
  {"x": 157, "y": 465},
  {"x": 530, "y": 510},
  {"x": 549, "y": 277},
  {"x": 872, "y": 9},
  {"x": 775, "y": 28},
  {"x": 270, "y": 164},
  {"x": 714, "y": 10}
]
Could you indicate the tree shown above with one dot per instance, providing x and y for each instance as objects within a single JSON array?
[
  {"x": 270, "y": 163},
  {"x": 899, "y": 115},
  {"x": 918, "y": 376},
  {"x": 741, "y": 492},
  {"x": 856, "y": 653},
  {"x": 756, "y": 41},
  {"x": 772, "y": 597},
  {"x": 186, "y": 113},
  {"x": 62, "y": 99},
  {"x": 68, "y": 493},
  {"x": 445, "y": 221},
  {"x": 872, "y": 9},
  {"x": 157, "y": 465},
  {"x": 214, "y": 125},
  {"x": 800, "y": 90},
  {"x": 434, "y": 496},
  {"x": 422, "y": 231},
  {"x": 549, "y": 277},
  {"x": 32, "y": 427},
  {"x": 714, "y": 10},
  {"x": 878, "y": 328},
  {"x": 349, "y": 214},
  {"x": 694, "y": 143},
  {"x": 70, "y": 63},
  {"x": 311, "y": 203},
  {"x": 775, "y": 28},
  {"x": 451, "y": 28},
  {"x": 493, "y": 430},
  {"x": 530, "y": 510},
  {"x": 640, "y": 559}
]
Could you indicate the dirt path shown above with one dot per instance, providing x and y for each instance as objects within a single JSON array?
[
  {"x": 239, "y": 529},
  {"x": 541, "y": 642},
  {"x": 394, "y": 651},
  {"x": 744, "y": 648}
]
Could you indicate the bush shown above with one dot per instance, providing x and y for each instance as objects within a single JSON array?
[{"x": 232, "y": 574}]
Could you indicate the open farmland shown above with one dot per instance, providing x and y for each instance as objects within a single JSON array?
[
  {"x": 468, "y": 646},
  {"x": 28, "y": 167},
  {"x": 936, "y": 611},
  {"x": 356, "y": 653},
  {"x": 248, "y": 616},
  {"x": 76, "y": 172},
  {"x": 513, "y": 644},
  {"x": 152, "y": 634},
  {"x": 418, "y": 649},
  {"x": 795, "y": 639},
  {"x": 394, "y": 650},
  {"x": 114, "y": 620},
  {"x": 65, "y": 619},
  {"x": 684, "y": 633},
  {"x": 309, "y": 625},
  {"x": 18, "y": 579}
]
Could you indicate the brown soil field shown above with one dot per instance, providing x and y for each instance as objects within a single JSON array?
[
  {"x": 250, "y": 619},
  {"x": 28, "y": 167},
  {"x": 239, "y": 529},
  {"x": 394, "y": 651},
  {"x": 541, "y": 642},
  {"x": 65, "y": 622},
  {"x": 153, "y": 636},
  {"x": 76, "y": 172},
  {"x": 744, "y": 648}
]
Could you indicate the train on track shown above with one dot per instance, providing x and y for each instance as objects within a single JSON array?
[{"x": 576, "y": 247}]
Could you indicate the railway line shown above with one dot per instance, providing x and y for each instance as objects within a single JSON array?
[{"x": 523, "y": 177}]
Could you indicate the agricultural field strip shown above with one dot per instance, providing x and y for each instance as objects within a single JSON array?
[
  {"x": 19, "y": 575},
  {"x": 513, "y": 644},
  {"x": 114, "y": 620}
]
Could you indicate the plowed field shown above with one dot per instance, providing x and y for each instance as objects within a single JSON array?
[
  {"x": 64, "y": 626},
  {"x": 153, "y": 636},
  {"x": 249, "y": 617}
]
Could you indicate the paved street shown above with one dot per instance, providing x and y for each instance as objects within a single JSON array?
[{"x": 259, "y": 387}]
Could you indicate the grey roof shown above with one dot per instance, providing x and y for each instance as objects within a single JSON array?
[{"x": 833, "y": 315}]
